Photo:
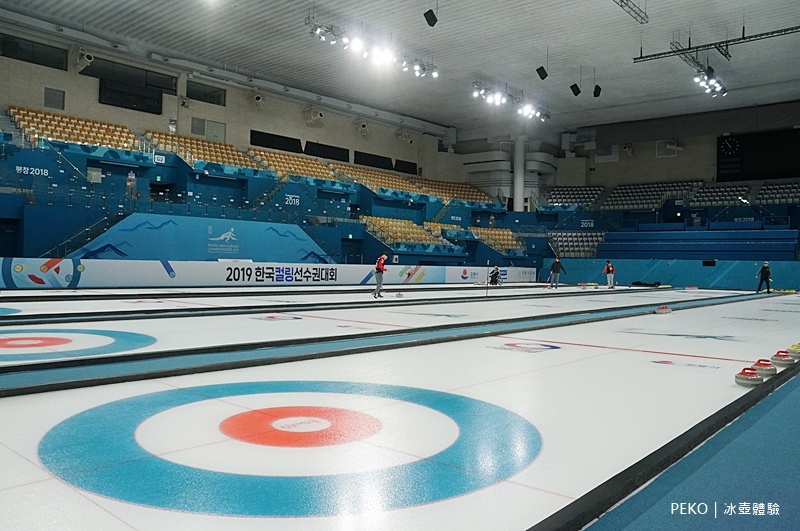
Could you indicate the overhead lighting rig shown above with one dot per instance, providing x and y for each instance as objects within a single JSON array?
[
  {"x": 721, "y": 46},
  {"x": 710, "y": 83},
  {"x": 366, "y": 48},
  {"x": 500, "y": 97}
]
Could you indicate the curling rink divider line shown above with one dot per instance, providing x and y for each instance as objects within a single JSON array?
[
  {"x": 158, "y": 313},
  {"x": 88, "y": 294},
  {"x": 605, "y": 496},
  {"x": 644, "y": 351},
  {"x": 153, "y": 354},
  {"x": 120, "y": 369}
]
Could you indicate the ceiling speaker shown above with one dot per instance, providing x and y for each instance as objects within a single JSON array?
[{"x": 430, "y": 17}]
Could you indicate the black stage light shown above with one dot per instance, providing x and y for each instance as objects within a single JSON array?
[
  {"x": 597, "y": 90},
  {"x": 430, "y": 17},
  {"x": 542, "y": 72},
  {"x": 575, "y": 89}
]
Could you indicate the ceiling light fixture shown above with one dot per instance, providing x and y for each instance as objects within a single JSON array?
[
  {"x": 381, "y": 55},
  {"x": 710, "y": 82}
]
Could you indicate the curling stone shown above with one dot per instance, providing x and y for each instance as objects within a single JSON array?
[
  {"x": 749, "y": 377},
  {"x": 399, "y": 295},
  {"x": 765, "y": 368},
  {"x": 663, "y": 309},
  {"x": 794, "y": 351},
  {"x": 782, "y": 359}
]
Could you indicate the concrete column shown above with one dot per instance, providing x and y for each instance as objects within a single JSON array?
[{"x": 518, "y": 189}]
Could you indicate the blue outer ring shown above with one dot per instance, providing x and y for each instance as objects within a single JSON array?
[
  {"x": 122, "y": 341},
  {"x": 96, "y": 450}
]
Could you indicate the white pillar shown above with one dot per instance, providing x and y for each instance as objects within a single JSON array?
[
  {"x": 536, "y": 185},
  {"x": 519, "y": 173}
]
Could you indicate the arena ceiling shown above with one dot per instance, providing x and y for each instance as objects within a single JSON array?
[{"x": 500, "y": 44}]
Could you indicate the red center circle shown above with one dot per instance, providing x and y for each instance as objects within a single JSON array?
[
  {"x": 32, "y": 342},
  {"x": 300, "y": 426}
]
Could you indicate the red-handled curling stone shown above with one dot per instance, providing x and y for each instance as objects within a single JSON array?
[
  {"x": 782, "y": 359},
  {"x": 749, "y": 377},
  {"x": 764, "y": 367},
  {"x": 663, "y": 310}
]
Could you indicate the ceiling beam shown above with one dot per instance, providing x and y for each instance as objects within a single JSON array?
[
  {"x": 633, "y": 10},
  {"x": 721, "y": 46},
  {"x": 448, "y": 134}
]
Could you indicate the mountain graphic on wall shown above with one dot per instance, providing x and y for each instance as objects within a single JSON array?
[
  {"x": 314, "y": 258},
  {"x": 95, "y": 253},
  {"x": 286, "y": 234},
  {"x": 148, "y": 226}
]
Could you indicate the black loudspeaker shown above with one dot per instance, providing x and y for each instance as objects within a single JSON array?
[
  {"x": 597, "y": 90},
  {"x": 542, "y": 72},
  {"x": 430, "y": 17},
  {"x": 575, "y": 89}
]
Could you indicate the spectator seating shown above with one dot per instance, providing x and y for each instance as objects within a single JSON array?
[
  {"x": 500, "y": 239},
  {"x": 449, "y": 191},
  {"x": 50, "y": 126},
  {"x": 437, "y": 228},
  {"x": 573, "y": 195},
  {"x": 782, "y": 193},
  {"x": 400, "y": 231},
  {"x": 291, "y": 164},
  {"x": 192, "y": 149},
  {"x": 374, "y": 179},
  {"x": 575, "y": 244},
  {"x": 720, "y": 195},
  {"x": 647, "y": 196}
]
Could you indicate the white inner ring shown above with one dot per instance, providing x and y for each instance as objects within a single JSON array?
[{"x": 190, "y": 435}]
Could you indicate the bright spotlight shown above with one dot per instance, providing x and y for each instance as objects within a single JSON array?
[
  {"x": 435, "y": 73},
  {"x": 357, "y": 44},
  {"x": 475, "y": 94}
]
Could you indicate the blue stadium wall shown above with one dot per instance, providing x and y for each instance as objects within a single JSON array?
[{"x": 732, "y": 274}]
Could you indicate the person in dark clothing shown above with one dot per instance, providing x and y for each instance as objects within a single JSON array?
[
  {"x": 555, "y": 271},
  {"x": 380, "y": 268},
  {"x": 609, "y": 271},
  {"x": 766, "y": 276},
  {"x": 494, "y": 276}
]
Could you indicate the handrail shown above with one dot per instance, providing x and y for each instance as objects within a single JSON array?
[
  {"x": 85, "y": 230},
  {"x": 61, "y": 156}
]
